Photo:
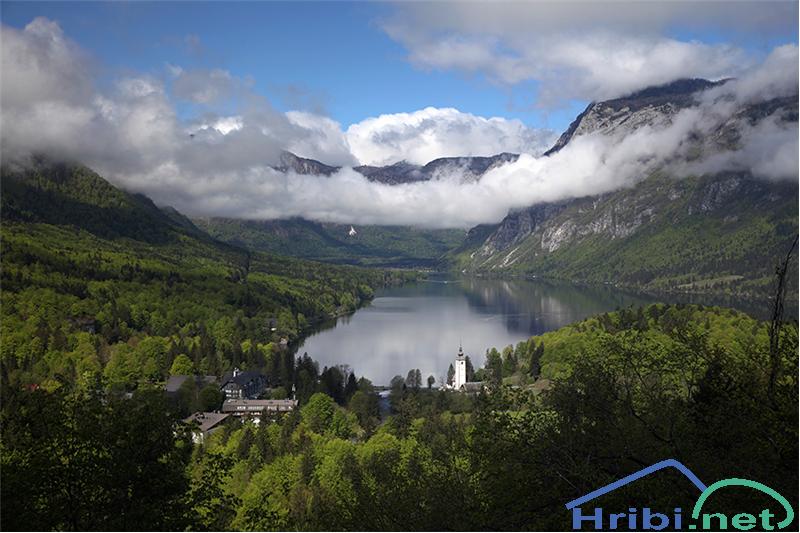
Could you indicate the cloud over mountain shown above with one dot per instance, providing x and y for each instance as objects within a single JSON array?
[
  {"x": 220, "y": 163},
  {"x": 430, "y": 133}
]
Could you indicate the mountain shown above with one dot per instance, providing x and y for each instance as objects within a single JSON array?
[
  {"x": 648, "y": 106},
  {"x": 466, "y": 168},
  {"x": 65, "y": 194},
  {"x": 395, "y": 174},
  {"x": 301, "y": 165},
  {"x": 396, "y": 246},
  {"x": 86, "y": 252},
  {"x": 720, "y": 232},
  {"x": 698, "y": 234}
]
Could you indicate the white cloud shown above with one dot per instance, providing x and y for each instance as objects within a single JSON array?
[
  {"x": 583, "y": 50},
  {"x": 776, "y": 76},
  {"x": 203, "y": 86},
  {"x": 430, "y": 133},
  {"x": 45, "y": 65},
  {"x": 326, "y": 141}
]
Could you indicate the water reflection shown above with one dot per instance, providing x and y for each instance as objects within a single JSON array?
[{"x": 421, "y": 325}]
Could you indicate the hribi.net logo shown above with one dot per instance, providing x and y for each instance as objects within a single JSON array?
[{"x": 644, "y": 519}]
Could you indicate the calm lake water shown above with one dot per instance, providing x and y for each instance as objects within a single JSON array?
[{"x": 421, "y": 325}]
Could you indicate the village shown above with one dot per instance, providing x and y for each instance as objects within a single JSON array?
[{"x": 243, "y": 393}]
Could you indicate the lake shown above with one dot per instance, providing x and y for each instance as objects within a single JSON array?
[{"x": 421, "y": 325}]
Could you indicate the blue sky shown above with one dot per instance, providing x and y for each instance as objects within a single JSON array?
[{"x": 331, "y": 57}]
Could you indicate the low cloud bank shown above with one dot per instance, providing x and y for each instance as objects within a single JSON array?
[{"x": 220, "y": 164}]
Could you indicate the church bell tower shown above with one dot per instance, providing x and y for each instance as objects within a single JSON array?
[{"x": 461, "y": 369}]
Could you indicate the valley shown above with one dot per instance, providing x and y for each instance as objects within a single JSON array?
[
  {"x": 355, "y": 344},
  {"x": 377, "y": 246},
  {"x": 670, "y": 230}
]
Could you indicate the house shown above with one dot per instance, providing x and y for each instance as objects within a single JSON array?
[
  {"x": 204, "y": 424},
  {"x": 239, "y": 385},
  {"x": 257, "y": 407}
]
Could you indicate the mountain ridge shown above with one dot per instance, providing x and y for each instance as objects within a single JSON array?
[
  {"x": 401, "y": 171},
  {"x": 729, "y": 219},
  {"x": 724, "y": 229}
]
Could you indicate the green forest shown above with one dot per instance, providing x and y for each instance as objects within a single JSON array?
[
  {"x": 666, "y": 381},
  {"x": 105, "y": 296},
  {"x": 400, "y": 246},
  {"x": 96, "y": 280}
]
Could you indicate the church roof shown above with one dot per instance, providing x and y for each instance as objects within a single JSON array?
[{"x": 472, "y": 386}]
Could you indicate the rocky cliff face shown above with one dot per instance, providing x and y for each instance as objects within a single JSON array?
[
  {"x": 664, "y": 232},
  {"x": 654, "y": 106},
  {"x": 301, "y": 165},
  {"x": 713, "y": 232}
]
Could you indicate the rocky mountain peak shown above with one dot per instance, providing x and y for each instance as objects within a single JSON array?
[
  {"x": 645, "y": 107},
  {"x": 301, "y": 165},
  {"x": 468, "y": 168}
]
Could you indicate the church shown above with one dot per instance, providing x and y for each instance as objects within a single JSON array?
[{"x": 460, "y": 382}]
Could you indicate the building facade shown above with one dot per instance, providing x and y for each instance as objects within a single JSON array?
[
  {"x": 257, "y": 407},
  {"x": 238, "y": 385}
]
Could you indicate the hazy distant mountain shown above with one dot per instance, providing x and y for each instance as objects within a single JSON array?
[
  {"x": 466, "y": 168},
  {"x": 372, "y": 245},
  {"x": 302, "y": 165}
]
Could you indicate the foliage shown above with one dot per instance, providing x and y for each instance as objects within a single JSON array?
[
  {"x": 95, "y": 315},
  {"x": 96, "y": 280},
  {"x": 84, "y": 461},
  {"x": 181, "y": 366},
  {"x": 641, "y": 386}
]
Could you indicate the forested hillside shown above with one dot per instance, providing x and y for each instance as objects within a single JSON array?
[
  {"x": 99, "y": 281},
  {"x": 395, "y": 246},
  {"x": 599, "y": 400}
]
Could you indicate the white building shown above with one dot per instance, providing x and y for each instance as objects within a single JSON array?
[
  {"x": 460, "y": 382},
  {"x": 460, "y": 367}
]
